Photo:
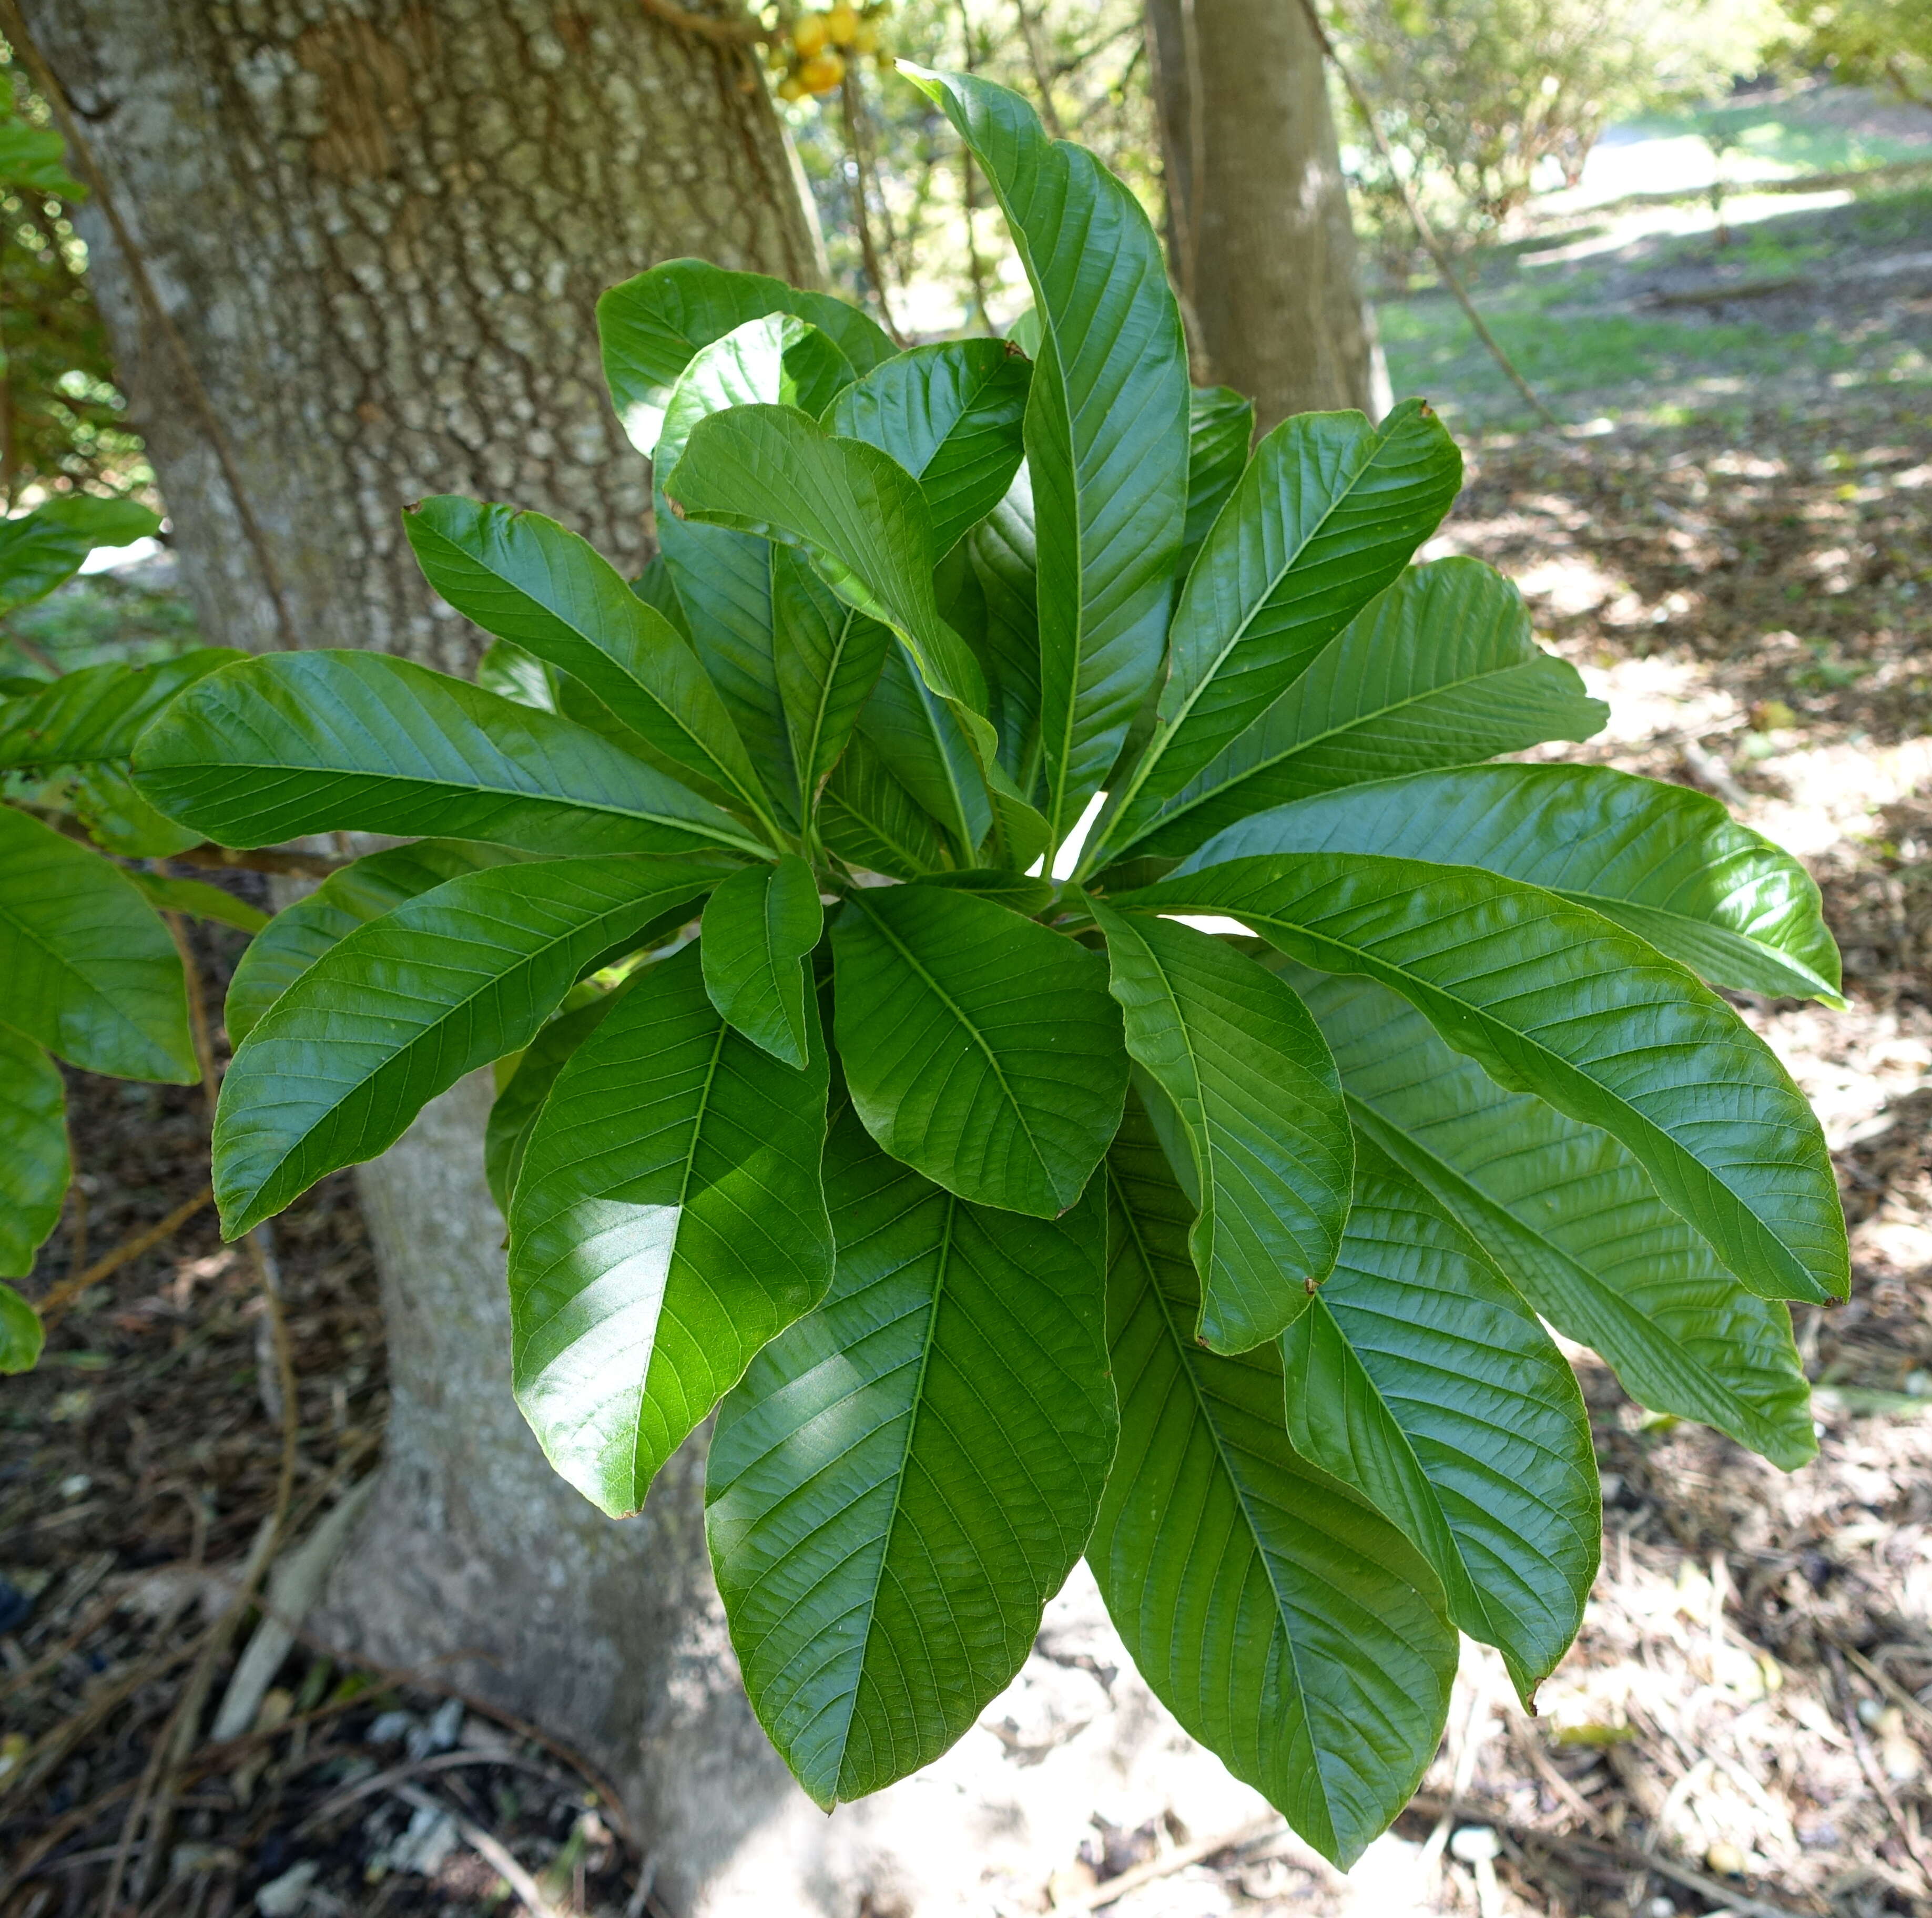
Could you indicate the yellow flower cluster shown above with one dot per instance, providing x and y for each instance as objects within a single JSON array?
[{"x": 813, "y": 54}]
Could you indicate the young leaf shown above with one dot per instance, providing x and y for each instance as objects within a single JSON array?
[
  {"x": 515, "y": 1111},
  {"x": 1220, "y": 426},
  {"x": 406, "y": 1005},
  {"x": 1251, "y": 1081},
  {"x": 871, "y": 821},
  {"x": 90, "y": 973},
  {"x": 760, "y": 927},
  {"x": 917, "y": 737},
  {"x": 21, "y": 1334},
  {"x": 1574, "y": 1220},
  {"x": 34, "y": 1165},
  {"x": 1004, "y": 557},
  {"x": 950, "y": 413},
  {"x": 42, "y": 549},
  {"x": 827, "y": 657},
  {"x": 1106, "y": 430},
  {"x": 980, "y": 1048},
  {"x": 905, "y": 1476},
  {"x": 1419, "y": 1378},
  {"x": 668, "y": 1222},
  {"x": 1669, "y": 864},
  {"x": 1289, "y": 1627},
  {"x": 358, "y": 741},
  {"x": 1324, "y": 517},
  {"x": 1554, "y": 999},
  {"x": 1440, "y": 670},
  {"x": 97, "y": 714},
  {"x": 200, "y": 900}
]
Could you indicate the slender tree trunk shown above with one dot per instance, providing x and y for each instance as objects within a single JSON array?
[
  {"x": 366, "y": 239},
  {"x": 1259, "y": 230}
]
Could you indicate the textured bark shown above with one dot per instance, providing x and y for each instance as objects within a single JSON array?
[
  {"x": 378, "y": 230},
  {"x": 1258, "y": 226}
]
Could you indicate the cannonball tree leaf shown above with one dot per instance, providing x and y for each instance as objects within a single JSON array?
[
  {"x": 1004, "y": 558},
  {"x": 906, "y": 1476},
  {"x": 1552, "y": 999},
  {"x": 43, "y": 549},
  {"x": 198, "y": 900},
  {"x": 1669, "y": 864},
  {"x": 916, "y": 736},
  {"x": 868, "y": 818},
  {"x": 979, "y": 1047},
  {"x": 357, "y": 742},
  {"x": 517, "y": 1107},
  {"x": 1018, "y": 892},
  {"x": 669, "y": 1221},
  {"x": 760, "y": 927},
  {"x": 1220, "y": 425},
  {"x": 1249, "y": 1077},
  {"x": 119, "y": 820},
  {"x": 1418, "y": 1376},
  {"x": 90, "y": 973},
  {"x": 21, "y": 1334},
  {"x": 827, "y": 656},
  {"x": 35, "y": 1163},
  {"x": 406, "y": 1005},
  {"x": 1290, "y": 1628},
  {"x": 97, "y": 713}
]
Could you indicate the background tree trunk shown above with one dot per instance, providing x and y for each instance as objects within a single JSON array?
[
  {"x": 1259, "y": 229},
  {"x": 377, "y": 232}
]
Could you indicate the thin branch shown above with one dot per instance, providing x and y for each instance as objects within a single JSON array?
[
  {"x": 211, "y": 858},
  {"x": 868, "y": 249},
  {"x": 1042, "y": 69},
  {"x": 976, "y": 267},
  {"x": 492, "y": 1850},
  {"x": 63, "y": 1295}
]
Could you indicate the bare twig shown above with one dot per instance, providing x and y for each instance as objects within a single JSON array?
[
  {"x": 862, "y": 181},
  {"x": 223, "y": 858},
  {"x": 334, "y": 1807},
  {"x": 57, "y": 1300},
  {"x": 1874, "y": 1773},
  {"x": 491, "y": 1850},
  {"x": 1042, "y": 69},
  {"x": 1164, "y": 1866}
]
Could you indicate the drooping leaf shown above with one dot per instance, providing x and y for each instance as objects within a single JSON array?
[
  {"x": 1326, "y": 515},
  {"x": 828, "y": 655},
  {"x": 905, "y": 1475},
  {"x": 97, "y": 713},
  {"x": 870, "y": 821},
  {"x": 1106, "y": 430},
  {"x": 1289, "y": 1627},
  {"x": 916, "y": 736},
  {"x": 1669, "y": 864},
  {"x": 199, "y": 900},
  {"x": 668, "y": 1221},
  {"x": 1440, "y": 670},
  {"x": 21, "y": 1335},
  {"x": 653, "y": 326},
  {"x": 90, "y": 973},
  {"x": 979, "y": 1047},
  {"x": 950, "y": 413},
  {"x": 406, "y": 1005},
  {"x": 760, "y": 927},
  {"x": 513, "y": 1112},
  {"x": 41, "y": 549},
  {"x": 1419, "y": 1378},
  {"x": 34, "y": 1164},
  {"x": 1554, "y": 999},
  {"x": 320, "y": 742},
  {"x": 1573, "y": 1220},
  {"x": 1220, "y": 426},
  {"x": 1250, "y": 1078}
]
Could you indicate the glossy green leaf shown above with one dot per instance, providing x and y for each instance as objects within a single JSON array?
[
  {"x": 525, "y": 578},
  {"x": 906, "y": 1476},
  {"x": 1326, "y": 515},
  {"x": 41, "y": 550},
  {"x": 1669, "y": 864},
  {"x": 357, "y": 742},
  {"x": 1004, "y": 556},
  {"x": 760, "y": 927},
  {"x": 871, "y": 821},
  {"x": 1418, "y": 1376},
  {"x": 34, "y": 1165},
  {"x": 1018, "y": 892},
  {"x": 1220, "y": 428},
  {"x": 1571, "y": 1218},
  {"x": 1440, "y": 670},
  {"x": 653, "y": 326},
  {"x": 21, "y": 1335},
  {"x": 1106, "y": 430},
  {"x": 827, "y": 657},
  {"x": 97, "y": 713},
  {"x": 1249, "y": 1077},
  {"x": 669, "y": 1221},
  {"x": 1554, "y": 999},
  {"x": 200, "y": 900},
  {"x": 950, "y": 413},
  {"x": 916, "y": 736},
  {"x": 90, "y": 973},
  {"x": 1289, "y": 1627},
  {"x": 979, "y": 1047},
  {"x": 511, "y": 673},
  {"x": 515, "y": 1111},
  {"x": 655, "y": 586},
  {"x": 402, "y": 1008}
]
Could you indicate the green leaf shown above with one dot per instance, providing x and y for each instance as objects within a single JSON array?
[
  {"x": 21, "y": 1335},
  {"x": 515, "y": 1111},
  {"x": 1289, "y": 1628},
  {"x": 90, "y": 973},
  {"x": 980, "y": 1048},
  {"x": 827, "y": 660},
  {"x": 1260, "y": 1108},
  {"x": 1440, "y": 670},
  {"x": 1106, "y": 430},
  {"x": 1552, "y": 999},
  {"x": 35, "y": 1163},
  {"x": 1572, "y": 1219},
  {"x": 511, "y": 673},
  {"x": 357, "y": 742},
  {"x": 653, "y": 326},
  {"x": 1220, "y": 428},
  {"x": 97, "y": 714},
  {"x": 35, "y": 158},
  {"x": 1018, "y": 892},
  {"x": 870, "y": 821},
  {"x": 654, "y": 587},
  {"x": 297, "y": 937},
  {"x": 200, "y": 900},
  {"x": 403, "y": 1007},
  {"x": 1669, "y": 864},
  {"x": 760, "y": 927},
  {"x": 950, "y": 415},
  {"x": 525, "y": 578},
  {"x": 105, "y": 800},
  {"x": 915, "y": 735},
  {"x": 42, "y": 549},
  {"x": 669, "y": 1221},
  {"x": 906, "y": 1476},
  {"x": 1419, "y": 1377},
  {"x": 1004, "y": 558}
]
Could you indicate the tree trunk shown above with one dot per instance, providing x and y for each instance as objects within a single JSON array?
[
  {"x": 1259, "y": 230},
  {"x": 376, "y": 232}
]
